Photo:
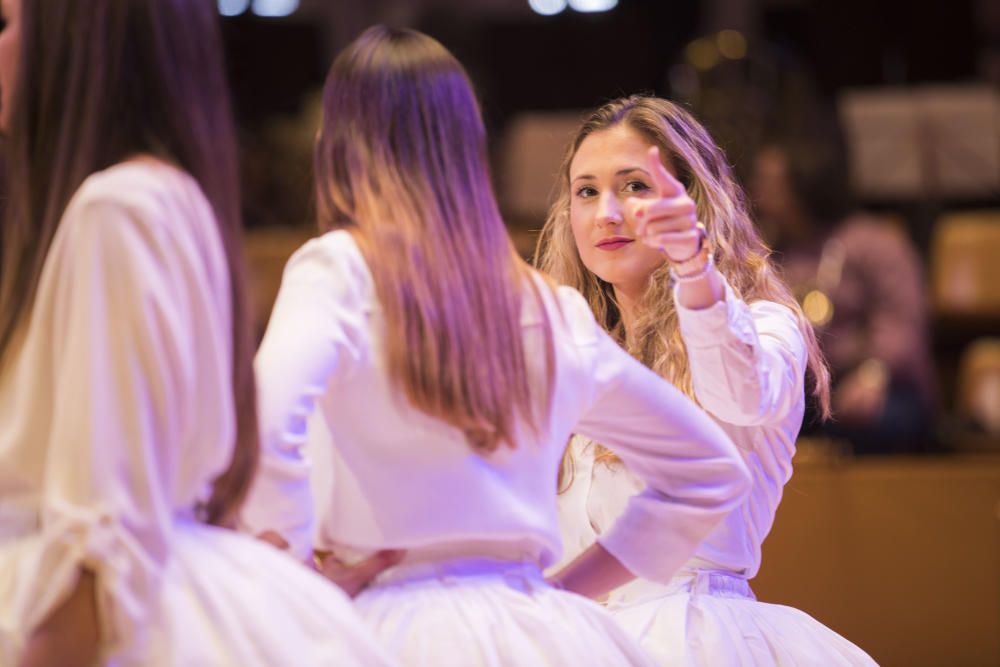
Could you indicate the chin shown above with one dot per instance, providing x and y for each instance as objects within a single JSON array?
[{"x": 621, "y": 272}]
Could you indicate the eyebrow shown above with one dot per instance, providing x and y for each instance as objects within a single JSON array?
[{"x": 620, "y": 172}]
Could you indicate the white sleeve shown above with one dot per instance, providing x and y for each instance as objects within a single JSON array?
[
  {"x": 747, "y": 362},
  {"x": 121, "y": 359},
  {"x": 692, "y": 471},
  {"x": 314, "y": 332}
]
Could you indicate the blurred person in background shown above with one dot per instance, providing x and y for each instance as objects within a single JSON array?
[{"x": 860, "y": 282}]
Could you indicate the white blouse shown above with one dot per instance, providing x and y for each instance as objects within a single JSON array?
[
  {"x": 106, "y": 439},
  {"x": 748, "y": 365},
  {"x": 401, "y": 479}
]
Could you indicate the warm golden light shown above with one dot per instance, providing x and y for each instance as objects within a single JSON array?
[
  {"x": 702, "y": 54},
  {"x": 818, "y": 308},
  {"x": 732, "y": 44}
]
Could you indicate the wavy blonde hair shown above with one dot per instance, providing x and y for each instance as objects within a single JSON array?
[
  {"x": 740, "y": 254},
  {"x": 401, "y": 162}
]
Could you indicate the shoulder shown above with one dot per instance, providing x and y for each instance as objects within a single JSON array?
[
  {"x": 138, "y": 224},
  {"x": 335, "y": 252},
  {"x": 145, "y": 195},
  {"x": 333, "y": 261},
  {"x": 764, "y": 310},
  {"x": 139, "y": 183},
  {"x": 779, "y": 323},
  {"x": 565, "y": 308}
]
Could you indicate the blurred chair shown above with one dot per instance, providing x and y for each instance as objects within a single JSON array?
[
  {"x": 979, "y": 386},
  {"x": 965, "y": 264},
  {"x": 266, "y": 250}
]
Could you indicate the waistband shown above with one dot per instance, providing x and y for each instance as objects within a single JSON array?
[
  {"x": 718, "y": 583},
  {"x": 450, "y": 564}
]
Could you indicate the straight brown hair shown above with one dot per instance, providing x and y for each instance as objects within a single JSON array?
[
  {"x": 401, "y": 161},
  {"x": 101, "y": 81}
]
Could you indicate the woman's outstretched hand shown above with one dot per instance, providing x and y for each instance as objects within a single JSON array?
[{"x": 668, "y": 221}]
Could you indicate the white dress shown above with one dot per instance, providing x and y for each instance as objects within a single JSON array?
[
  {"x": 116, "y": 413},
  {"x": 747, "y": 365},
  {"x": 477, "y": 528}
]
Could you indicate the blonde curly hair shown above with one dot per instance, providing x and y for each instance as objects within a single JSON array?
[{"x": 741, "y": 256}]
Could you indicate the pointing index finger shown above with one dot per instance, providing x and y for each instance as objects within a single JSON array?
[{"x": 665, "y": 183}]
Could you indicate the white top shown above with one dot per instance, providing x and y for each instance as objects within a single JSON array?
[
  {"x": 402, "y": 479},
  {"x": 748, "y": 367},
  {"x": 105, "y": 437},
  {"x": 116, "y": 413}
]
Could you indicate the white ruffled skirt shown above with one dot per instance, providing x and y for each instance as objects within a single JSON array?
[
  {"x": 707, "y": 618},
  {"x": 233, "y": 600},
  {"x": 483, "y": 612},
  {"x": 222, "y": 600}
]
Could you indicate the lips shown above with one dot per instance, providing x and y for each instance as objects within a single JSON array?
[{"x": 614, "y": 243}]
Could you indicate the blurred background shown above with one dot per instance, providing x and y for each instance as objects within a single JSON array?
[{"x": 867, "y": 133}]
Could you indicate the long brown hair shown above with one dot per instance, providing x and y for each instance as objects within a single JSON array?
[
  {"x": 100, "y": 81},
  {"x": 741, "y": 255},
  {"x": 401, "y": 161}
]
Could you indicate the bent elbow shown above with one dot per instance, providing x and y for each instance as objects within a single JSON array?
[{"x": 740, "y": 482}]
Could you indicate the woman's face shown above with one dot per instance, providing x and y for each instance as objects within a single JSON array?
[
  {"x": 10, "y": 45},
  {"x": 608, "y": 168}
]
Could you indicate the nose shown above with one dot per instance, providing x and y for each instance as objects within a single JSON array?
[{"x": 609, "y": 211}]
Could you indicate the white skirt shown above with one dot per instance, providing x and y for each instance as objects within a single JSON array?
[
  {"x": 229, "y": 599},
  {"x": 707, "y": 618},
  {"x": 486, "y": 612}
]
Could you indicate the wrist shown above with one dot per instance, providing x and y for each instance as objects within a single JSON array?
[
  {"x": 695, "y": 268},
  {"x": 702, "y": 238}
]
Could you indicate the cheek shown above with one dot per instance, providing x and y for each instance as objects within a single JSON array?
[
  {"x": 646, "y": 260},
  {"x": 582, "y": 225}
]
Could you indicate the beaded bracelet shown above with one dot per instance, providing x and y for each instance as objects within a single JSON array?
[{"x": 698, "y": 275}]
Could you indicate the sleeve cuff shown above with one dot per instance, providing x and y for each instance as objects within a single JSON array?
[
  {"x": 127, "y": 574},
  {"x": 701, "y": 328}
]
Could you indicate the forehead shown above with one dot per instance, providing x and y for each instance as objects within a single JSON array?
[{"x": 607, "y": 151}]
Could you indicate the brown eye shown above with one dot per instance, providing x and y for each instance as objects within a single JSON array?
[{"x": 636, "y": 186}]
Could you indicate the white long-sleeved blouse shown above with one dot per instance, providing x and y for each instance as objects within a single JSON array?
[
  {"x": 402, "y": 479},
  {"x": 747, "y": 366},
  {"x": 116, "y": 402},
  {"x": 116, "y": 415}
]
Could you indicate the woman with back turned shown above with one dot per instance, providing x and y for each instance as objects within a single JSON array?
[
  {"x": 450, "y": 375},
  {"x": 128, "y": 434}
]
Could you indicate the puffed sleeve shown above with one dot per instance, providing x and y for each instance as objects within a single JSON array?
[
  {"x": 747, "y": 362},
  {"x": 316, "y": 329},
  {"x": 692, "y": 471},
  {"x": 122, "y": 372}
]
